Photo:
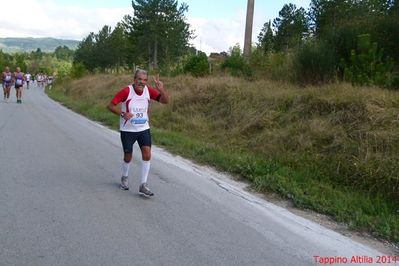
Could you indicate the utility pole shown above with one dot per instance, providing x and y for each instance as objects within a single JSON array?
[{"x": 248, "y": 29}]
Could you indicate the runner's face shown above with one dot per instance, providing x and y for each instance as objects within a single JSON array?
[{"x": 141, "y": 81}]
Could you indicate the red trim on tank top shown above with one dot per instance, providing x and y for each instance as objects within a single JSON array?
[{"x": 127, "y": 110}]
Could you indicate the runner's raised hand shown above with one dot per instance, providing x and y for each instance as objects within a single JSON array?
[{"x": 158, "y": 83}]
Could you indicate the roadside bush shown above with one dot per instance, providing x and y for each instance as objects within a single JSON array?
[
  {"x": 78, "y": 71},
  {"x": 366, "y": 65},
  {"x": 395, "y": 81},
  {"x": 281, "y": 66},
  {"x": 237, "y": 66},
  {"x": 197, "y": 65},
  {"x": 63, "y": 69},
  {"x": 260, "y": 61},
  {"x": 314, "y": 63}
]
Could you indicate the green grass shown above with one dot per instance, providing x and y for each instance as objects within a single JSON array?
[
  {"x": 360, "y": 211},
  {"x": 332, "y": 149}
]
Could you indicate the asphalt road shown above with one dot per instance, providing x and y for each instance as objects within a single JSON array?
[{"x": 60, "y": 203}]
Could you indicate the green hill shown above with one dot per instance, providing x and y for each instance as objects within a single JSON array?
[{"x": 12, "y": 45}]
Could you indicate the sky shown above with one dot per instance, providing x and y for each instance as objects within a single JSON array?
[{"x": 218, "y": 24}]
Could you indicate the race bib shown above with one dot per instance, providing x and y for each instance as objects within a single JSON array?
[
  {"x": 8, "y": 78},
  {"x": 18, "y": 82},
  {"x": 138, "y": 118}
]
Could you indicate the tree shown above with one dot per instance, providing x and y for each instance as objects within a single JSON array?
[
  {"x": 38, "y": 54},
  {"x": 132, "y": 55},
  {"x": 20, "y": 61},
  {"x": 265, "y": 38},
  {"x": 103, "y": 50},
  {"x": 291, "y": 27},
  {"x": 118, "y": 42},
  {"x": 85, "y": 53},
  {"x": 340, "y": 22},
  {"x": 367, "y": 65},
  {"x": 63, "y": 53},
  {"x": 5, "y": 60},
  {"x": 159, "y": 30}
]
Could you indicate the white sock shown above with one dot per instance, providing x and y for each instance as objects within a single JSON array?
[
  {"x": 125, "y": 168},
  {"x": 145, "y": 169}
]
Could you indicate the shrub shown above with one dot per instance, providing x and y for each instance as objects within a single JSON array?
[
  {"x": 314, "y": 62},
  {"x": 366, "y": 65},
  {"x": 78, "y": 71},
  {"x": 395, "y": 81},
  {"x": 197, "y": 65},
  {"x": 281, "y": 66},
  {"x": 236, "y": 64},
  {"x": 63, "y": 69}
]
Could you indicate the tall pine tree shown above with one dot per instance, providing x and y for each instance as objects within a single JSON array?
[
  {"x": 291, "y": 27},
  {"x": 265, "y": 38},
  {"x": 159, "y": 30}
]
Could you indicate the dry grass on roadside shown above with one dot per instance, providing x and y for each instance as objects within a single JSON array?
[
  {"x": 352, "y": 132},
  {"x": 332, "y": 148}
]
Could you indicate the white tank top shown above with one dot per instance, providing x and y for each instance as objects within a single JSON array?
[
  {"x": 7, "y": 77},
  {"x": 138, "y": 106}
]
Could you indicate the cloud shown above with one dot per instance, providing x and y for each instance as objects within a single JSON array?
[
  {"x": 215, "y": 35},
  {"x": 218, "y": 35},
  {"x": 44, "y": 18},
  {"x": 47, "y": 19}
]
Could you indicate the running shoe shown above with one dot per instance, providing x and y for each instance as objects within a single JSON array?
[
  {"x": 145, "y": 190},
  {"x": 124, "y": 183}
]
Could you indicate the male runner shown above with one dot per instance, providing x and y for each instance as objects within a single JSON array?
[
  {"x": 50, "y": 82},
  {"x": 18, "y": 84},
  {"x": 133, "y": 112},
  {"x": 27, "y": 79},
  {"x": 7, "y": 82}
]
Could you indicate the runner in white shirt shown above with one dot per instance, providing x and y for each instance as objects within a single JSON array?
[
  {"x": 27, "y": 79},
  {"x": 134, "y": 102},
  {"x": 50, "y": 82}
]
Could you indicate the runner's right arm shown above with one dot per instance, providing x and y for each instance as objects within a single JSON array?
[{"x": 121, "y": 96}]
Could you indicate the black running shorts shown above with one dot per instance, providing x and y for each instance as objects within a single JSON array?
[{"x": 143, "y": 138}]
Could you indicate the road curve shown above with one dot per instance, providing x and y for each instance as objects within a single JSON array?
[{"x": 60, "y": 204}]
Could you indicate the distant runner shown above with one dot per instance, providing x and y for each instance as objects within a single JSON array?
[
  {"x": 134, "y": 102},
  {"x": 50, "y": 80},
  {"x": 27, "y": 79},
  {"x": 18, "y": 84},
  {"x": 7, "y": 82},
  {"x": 40, "y": 79}
]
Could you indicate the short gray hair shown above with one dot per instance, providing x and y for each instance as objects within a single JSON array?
[{"x": 140, "y": 71}]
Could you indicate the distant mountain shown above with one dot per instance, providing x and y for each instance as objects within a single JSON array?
[{"x": 12, "y": 45}]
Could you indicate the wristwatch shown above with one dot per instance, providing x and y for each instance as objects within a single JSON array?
[{"x": 123, "y": 114}]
